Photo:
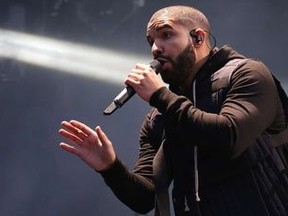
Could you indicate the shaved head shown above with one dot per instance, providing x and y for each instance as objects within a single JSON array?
[{"x": 189, "y": 17}]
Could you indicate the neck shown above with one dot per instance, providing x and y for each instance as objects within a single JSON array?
[{"x": 198, "y": 64}]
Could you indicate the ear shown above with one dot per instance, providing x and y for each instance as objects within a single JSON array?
[{"x": 198, "y": 35}]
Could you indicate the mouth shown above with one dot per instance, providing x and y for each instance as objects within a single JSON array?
[{"x": 162, "y": 60}]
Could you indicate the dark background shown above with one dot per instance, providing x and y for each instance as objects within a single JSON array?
[{"x": 36, "y": 176}]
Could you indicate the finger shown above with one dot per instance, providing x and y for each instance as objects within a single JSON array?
[
  {"x": 132, "y": 81},
  {"x": 84, "y": 128},
  {"x": 141, "y": 66},
  {"x": 70, "y": 149},
  {"x": 140, "y": 73},
  {"x": 75, "y": 128},
  {"x": 70, "y": 136},
  {"x": 144, "y": 68},
  {"x": 69, "y": 127},
  {"x": 102, "y": 136},
  {"x": 136, "y": 74}
]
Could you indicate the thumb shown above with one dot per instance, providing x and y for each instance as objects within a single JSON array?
[
  {"x": 109, "y": 153},
  {"x": 102, "y": 137}
]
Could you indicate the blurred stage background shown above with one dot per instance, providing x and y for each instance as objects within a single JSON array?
[{"x": 67, "y": 59}]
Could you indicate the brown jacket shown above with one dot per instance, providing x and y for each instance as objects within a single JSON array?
[{"x": 232, "y": 128}]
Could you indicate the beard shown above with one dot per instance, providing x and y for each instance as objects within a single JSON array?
[{"x": 182, "y": 67}]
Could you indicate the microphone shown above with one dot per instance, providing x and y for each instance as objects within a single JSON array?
[{"x": 128, "y": 92}]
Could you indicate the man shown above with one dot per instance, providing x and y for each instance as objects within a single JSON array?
[{"x": 208, "y": 133}]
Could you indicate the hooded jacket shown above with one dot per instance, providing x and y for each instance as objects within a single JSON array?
[{"x": 213, "y": 137}]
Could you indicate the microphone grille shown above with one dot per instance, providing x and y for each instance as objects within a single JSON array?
[{"x": 155, "y": 65}]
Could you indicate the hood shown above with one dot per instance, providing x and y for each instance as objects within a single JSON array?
[{"x": 219, "y": 57}]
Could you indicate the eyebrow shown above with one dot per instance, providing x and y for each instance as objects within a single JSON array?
[
  {"x": 163, "y": 26},
  {"x": 159, "y": 28}
]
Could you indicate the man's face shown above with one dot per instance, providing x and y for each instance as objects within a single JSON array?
[{"x": 171, "y": 44}]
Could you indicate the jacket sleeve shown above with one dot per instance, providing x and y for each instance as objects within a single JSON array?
[
  {"x": 248, "y": 110},
  {"x": 135, "y": 188}
]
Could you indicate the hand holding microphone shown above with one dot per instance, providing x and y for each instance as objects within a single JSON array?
[
  {"x": 134, "y": 80},
  {"x": 144, "y": 81}
]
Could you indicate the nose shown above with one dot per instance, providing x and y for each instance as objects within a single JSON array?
[{"x": 156, "y": 49}]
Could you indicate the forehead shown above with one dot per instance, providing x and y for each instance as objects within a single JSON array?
[{"x": 160, "y": 21}]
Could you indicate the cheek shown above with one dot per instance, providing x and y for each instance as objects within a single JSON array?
[{"x": 178, "y": 48}]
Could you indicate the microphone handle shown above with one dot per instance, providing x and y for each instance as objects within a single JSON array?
[{"x": 124, "y": 96}]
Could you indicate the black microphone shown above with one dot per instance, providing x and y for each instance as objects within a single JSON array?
[{"x": 128, "y": 92}]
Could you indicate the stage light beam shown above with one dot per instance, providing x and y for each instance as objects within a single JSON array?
[{"x": 66, "y": 56}]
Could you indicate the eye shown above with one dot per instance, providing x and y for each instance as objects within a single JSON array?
[
  {"x": 150, "y": 40},
  {"x": 162, "y": 34},
  {"x": 167, "y": 35}
]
